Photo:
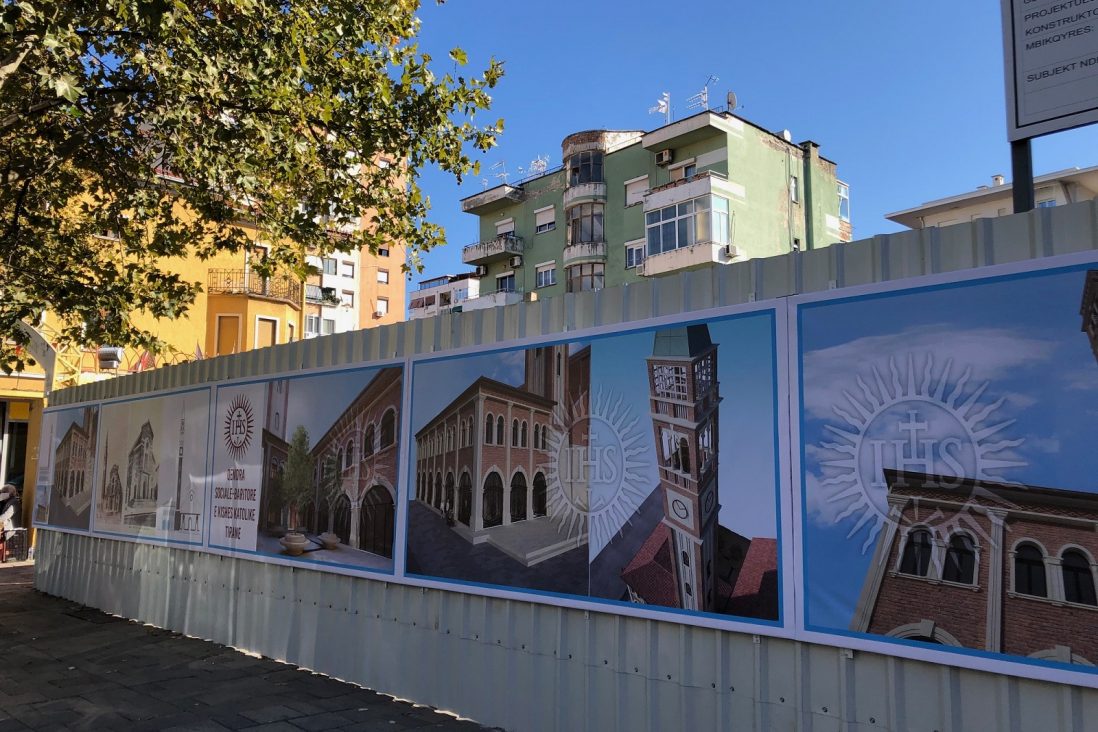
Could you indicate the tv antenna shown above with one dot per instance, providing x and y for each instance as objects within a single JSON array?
[
  {"x": 701, "y": 99},
  {"x": 501, "y": 166}
]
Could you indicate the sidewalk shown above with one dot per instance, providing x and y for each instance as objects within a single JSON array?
[{"x": 63, "y": 666}]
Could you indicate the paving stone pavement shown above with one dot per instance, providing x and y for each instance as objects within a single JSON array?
[{"x": 67, "y": 667}]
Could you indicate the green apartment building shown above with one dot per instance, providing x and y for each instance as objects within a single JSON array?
[{"x": 700, "y": 192}]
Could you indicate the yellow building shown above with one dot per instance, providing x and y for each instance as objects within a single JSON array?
[{"x": 236, "y": 311}]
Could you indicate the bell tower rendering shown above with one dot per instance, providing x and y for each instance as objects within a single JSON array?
[{"x": 684, "y": 401}]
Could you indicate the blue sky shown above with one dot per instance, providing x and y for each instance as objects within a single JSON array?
[
  {"x": 316, "y": 402},
  {"x": 620, "y": 383},
  {"x": 1020, "y": 336},
  {"x": 907, "y": 98}
]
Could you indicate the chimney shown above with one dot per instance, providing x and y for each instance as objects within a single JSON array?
[{"x": 997, "y": 179}]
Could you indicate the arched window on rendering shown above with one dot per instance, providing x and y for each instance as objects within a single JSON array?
[
  {"x": 917, "y": 553},
  {"x": 1029, "y": 571},
  {"x": 1078, "y": 578},
  {"x": 960, "y": 560}
]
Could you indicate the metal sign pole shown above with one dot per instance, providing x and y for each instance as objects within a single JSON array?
[{"x": 1021, "y": 162}]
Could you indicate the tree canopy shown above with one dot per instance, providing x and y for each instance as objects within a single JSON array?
[{"x": 119, "y": 116}]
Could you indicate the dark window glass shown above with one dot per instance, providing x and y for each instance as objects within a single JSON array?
[
  {"x": 388, "y": 429},
  {"x": 585, "y": 167},
  {"x": 585, "y": 223},
  {"x": 1029, "y": 571},
  {"x": 960, "y": 564},
  {"x": 1078, "y": 579},
  {"x": 916, "y": 558},
  {"x": 583, "y": 277}
]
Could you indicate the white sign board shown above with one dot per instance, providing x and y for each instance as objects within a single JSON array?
[
  {"x": 1051, "y": 49},
  {"x": 237, "y": 466}
]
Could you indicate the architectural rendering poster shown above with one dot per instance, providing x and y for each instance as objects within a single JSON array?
[
  {"x": 151, "y": 479},
  {"x": 66, "y": 468},
  {"x": 948, "y": 464},
  {"x": 306, "y": 467},
  {"x": 628, "y": 468}
]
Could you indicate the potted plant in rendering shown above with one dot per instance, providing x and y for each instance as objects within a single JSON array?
[{"x": 294, "y": 542}]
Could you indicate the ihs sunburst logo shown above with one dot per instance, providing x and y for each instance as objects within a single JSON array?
[
  {"x": 911, "y": 420},
  {"x": 594, "y": 473},
  {"x": 239, "y": 425}
]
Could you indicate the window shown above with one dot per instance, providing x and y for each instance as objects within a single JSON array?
[
  {"x": 545, "y": 219},
  {"x": 634, "y": 255},
  {"x": 522, "y": 435},
  {"x": 515, "y": 433},
  {"x": 444, "y": 299},
  {"x": 388, "y": 430},
  {"x": 488, "y": 429},
  {"x": 382, "y": 306},
  {"x": 960, "y": 561},
  {"x": 313, "y": 293},
  {"x": 507, "y": 226},
  {"x": 585, "y": 223},
  {"x": 794, "y": 189},
  {"x": 383, "y": 252},
  {"x": 546, "y": 274},
  {"x": 635, "y": 190},
  {"x": 585, "y": 167},
  {"x": 312, "y": 325},
  {"x": 383, "y": 276},
  {"x": 706, "y": 218},
  {"x": 505, "y": 282},
  {"x": 1047, "y": 203},
  {"x": 583, "y": 277},
  {"x": 917, "y": 551},
  {"x": 1029, "y": 571},
  {"x": 368, "y": 442},
  {"x": 349, "y": 454},
  {"x": 499, "y": 430},
  {"x": 327, "y": 326},
  {"x": 347, "y": 269},
  {"x": 329, "y": 266},
  {"x": 347, "y": 298},
  {"x": 683, "y": 172},
  {"x": 1078, "y": 578},
  {"x": 383, "y": 163},
  {"x": 537, "y": 436},
  {"x": 844, "y": 202}
]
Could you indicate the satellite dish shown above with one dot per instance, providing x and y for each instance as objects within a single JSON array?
[{"x": 731, "y": 101}]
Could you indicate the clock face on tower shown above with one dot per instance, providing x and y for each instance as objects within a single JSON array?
[
  {"x": 680, "y": 508},
  {"x": 710, "y": 499}
]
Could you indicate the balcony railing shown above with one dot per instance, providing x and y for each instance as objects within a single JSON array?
[
  {"x": 283, "y": 288},
  {"x": 487, "y": 251}
]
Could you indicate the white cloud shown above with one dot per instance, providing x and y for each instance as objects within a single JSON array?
[{"x": 990, "y": 353}]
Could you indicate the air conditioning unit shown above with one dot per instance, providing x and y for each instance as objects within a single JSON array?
[
  {"x": 664, "y": 157},
  {"x": 110, "y": 357},
  {"x": 380, "y": 313},
  {"x": 734, "y": 252},
  {"x": 516, "y": 261},
  {"x": 482, "y": 271}
]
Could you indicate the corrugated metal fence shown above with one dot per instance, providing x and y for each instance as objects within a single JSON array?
[{"x": 525, "y": 666}]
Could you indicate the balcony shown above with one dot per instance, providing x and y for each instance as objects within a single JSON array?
[
  {"x": 585, "y": 252},
  {"x": 492, "y": 199},
  {"x": 695, "y": 255},
  {"x": 492, "y": 300},
  {"x": 281, "y": 288},
  {"x": 583, "y": 193},
  {"x": 317, "y": 295},
  {"x": 489, "y": 251}
]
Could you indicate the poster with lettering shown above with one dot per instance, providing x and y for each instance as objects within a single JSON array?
[
  {"x": 151, "y": 479},
  {"x": 948, "y": 463},
  {"x": 66, "y": 468},
  {"x": 237, "y": 474}
]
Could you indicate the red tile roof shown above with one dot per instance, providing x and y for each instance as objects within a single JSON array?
[{"x": 651, "y": 574}]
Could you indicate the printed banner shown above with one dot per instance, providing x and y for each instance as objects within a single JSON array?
[
  {"x": 948, "y": 469},
  {"x": 635, "y": 468},
  {"x": 306, "y": 467},
  {"x": 152, "y": 467},
  {"x": 66, "y": 468}
]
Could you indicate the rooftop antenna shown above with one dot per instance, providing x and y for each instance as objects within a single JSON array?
[
  {"x": 484, "y": 182},
  {"x": 538, "y": 165},
  {"x": 501, "y": 166},
  {"x": 701, "y": 99},
  {"x": 663, "y": 106},
  {"x": 731, "y": 101}
]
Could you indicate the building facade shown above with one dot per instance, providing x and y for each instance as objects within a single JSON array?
[
  {"x": 73, "y": 463},
  {"x": 986, "y": 202},
  {"x": 975, "y": 564},
  {"x": 703, "y": 191},
  {"x": 445, "y": 294},
  {"x": 486, "y": 461}
]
